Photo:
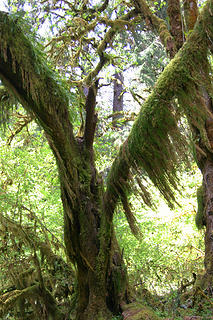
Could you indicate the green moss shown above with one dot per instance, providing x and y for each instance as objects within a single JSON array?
[
  {"x": 156, "y": 145},
  {"x": 9, "y": 299},
  {"x": 43, "y": 90}
]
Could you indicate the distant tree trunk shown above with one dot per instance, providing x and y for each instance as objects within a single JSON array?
[{"x": 117, "y": 99}]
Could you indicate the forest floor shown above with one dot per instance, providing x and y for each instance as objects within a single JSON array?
[{"x": 194, "y": 304}]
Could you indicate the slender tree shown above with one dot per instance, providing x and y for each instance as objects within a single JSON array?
[
  {"x": 155, "y": 144},
  {"x": 118, "y": 105}
]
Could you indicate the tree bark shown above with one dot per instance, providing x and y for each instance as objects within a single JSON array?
[{"x": 205, "y": 163}]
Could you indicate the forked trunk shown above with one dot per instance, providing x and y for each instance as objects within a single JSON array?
[{"x": 90, "y": 241}]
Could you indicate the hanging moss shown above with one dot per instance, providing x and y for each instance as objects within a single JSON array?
[
  {"x": 156, "y": 143},
  {"x": 26, "y": 74},
  {"x": 7, "y": 104},
  {"x": 44, "y": 90}
]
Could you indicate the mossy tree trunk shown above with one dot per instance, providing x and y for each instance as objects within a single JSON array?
[
  {"x": 205, "y": 163},
  {"x": 88, "y": 228},
  {"x": 208, "y": 214},
  {"x": 204, "y": 157},
  {"x": 89, "y": 237},
  {"x": 200, "y": 98},
  {"x": 90, "y": 243}
]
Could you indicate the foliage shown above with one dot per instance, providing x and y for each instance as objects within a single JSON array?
[
  {"x": 31, "y": 222},
  {"x": 29, "y": 177},
  {"x": 171, "y": 248}
]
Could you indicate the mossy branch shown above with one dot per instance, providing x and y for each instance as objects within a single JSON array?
[
  {"x": 117, "y": 25},
  {"x": 25, "y": 74},
  {"x": 156, "y": 143},
  {"x": 9, "y": 299},
  {"x": 91, "y": 117},
  {"x": 31, "y": 240},
  {"x": 22, "y": 122},
  {"x": 176, "y": 23},
  {"x": 157, "y": 25}
]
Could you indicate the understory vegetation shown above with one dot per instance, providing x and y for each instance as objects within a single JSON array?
[{"x": 162, "y": 262}]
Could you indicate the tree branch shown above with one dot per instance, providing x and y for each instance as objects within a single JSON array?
[
  {"x": 190, "y": 13},
  {"x": 157, "y": 25},
  {"x": 157, "y": 145},
  {"x": 26, "y": 75},
  {"x": 116, "y": 26},
  {"x": 91, "y": 117},
  {"x": 176, "y": 23},
  {"x": 23, "y": 121}
]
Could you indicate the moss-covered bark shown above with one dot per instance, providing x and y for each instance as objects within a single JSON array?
[
  {"x": 204, "y": 158},
  {"x": 190, "y": 14},
  {"x": 157, "y": 25},
  {"x": 88, "y": 230},
  {"x": 176, "y": 23},
  {"x": 195, "y": 99}
]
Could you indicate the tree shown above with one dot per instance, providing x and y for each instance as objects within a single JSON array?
[
  {"x": 117, "y": 95},
  {"x": 89, "y": 207},
  {"x": 202, "y": 100}
]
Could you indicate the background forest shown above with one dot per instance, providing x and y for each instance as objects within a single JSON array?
[{"x": 162, "y": 244}]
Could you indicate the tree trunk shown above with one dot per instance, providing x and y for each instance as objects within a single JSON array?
[
  {"x": 88, "y": 228},
  {"x": 204, "y": 160},
  {"x": 208, "y": 182},
  {"x": 91, "y": 245},
  {"x": 205, "y": 163},
  {"x": 117, "y": 98}
]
